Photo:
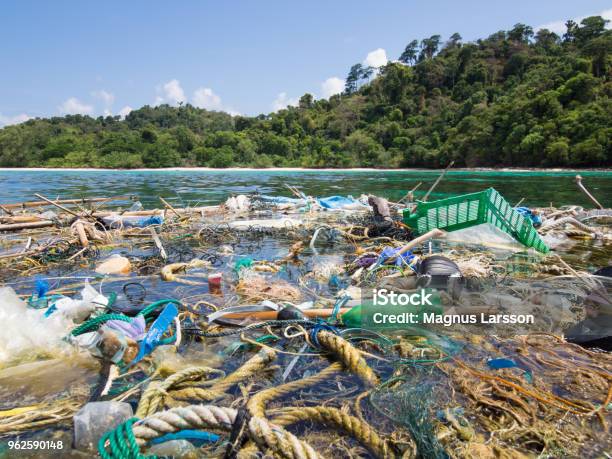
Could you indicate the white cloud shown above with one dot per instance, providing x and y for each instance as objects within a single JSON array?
[
  {"x": 206, "y": 98},
  {"x": 107, "y": 97},
  {"x": 73, "y": 106},
  {"x": 376, "y": 58},
  {"x": 283, "y": 101},
  {"x": 559, "y": 26},
  {"x": 331, "y": 86},
  {"x": 170, "y": 93},
  {"x": 125, "y": 111},
  {"x": 8, "y": 120}
]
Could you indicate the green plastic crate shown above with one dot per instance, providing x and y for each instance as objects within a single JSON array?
[{"x": 472, "y": 209}]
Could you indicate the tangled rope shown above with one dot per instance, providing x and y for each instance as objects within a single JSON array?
[
  {"x": 333, "y": 417},
  {"x": 126, "y": 440},
  {"x": 253, "y": 365},
  {"x": 346, "y": 353},
  {"x": 571, "y": 221},
  {"x": 238, "y": 331},
  {"x": 154, "y": 396},
  {"x": 257, "y": 403}
]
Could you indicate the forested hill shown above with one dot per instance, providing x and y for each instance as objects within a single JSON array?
[{"x": 516, "y": 98}]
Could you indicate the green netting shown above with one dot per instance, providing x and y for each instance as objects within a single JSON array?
[{"x": 472, "y": 209}]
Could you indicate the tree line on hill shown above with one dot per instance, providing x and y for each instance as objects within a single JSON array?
[{"x": 517, "y": 98}]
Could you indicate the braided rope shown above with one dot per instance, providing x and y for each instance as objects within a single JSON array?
[
  {"x": 257, "y": 403},
  {"x": 282, "y": 443},
  {"x": 334, "y": 417},
  {"x": 184, "y": 417},
  {"x": 569, "y": 220},
  {"x": 266, "y": 435},
  {"x": 237, "y": 331},
  {"x": 154, "y": 396},
  {"x": 346, "y": 353},
  {"x": 249, "y": 368}
]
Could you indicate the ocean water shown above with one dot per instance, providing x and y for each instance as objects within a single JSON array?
[{"x": 205, "y": 187}]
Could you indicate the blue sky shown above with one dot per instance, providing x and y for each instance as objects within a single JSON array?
[{"x": 245, "y": 57}]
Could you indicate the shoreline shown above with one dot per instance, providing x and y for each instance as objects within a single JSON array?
[{"x": 296, "y": 169}]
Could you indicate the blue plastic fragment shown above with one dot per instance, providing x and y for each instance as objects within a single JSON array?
[
  {"x": 155, "y": 333},
  {"x": 336, "y": 202},
  {"x": 497, "y": 364},
  {"x": 153, "y": 220},
  {"x": 536, "y": 220},
  {"x": 41, "y": 287},
  {"x": 389, "y": 252},
  {"x": 197, "y": 437},
  {"x": 50, "y": 310},
  {"x": 336, "y": 284}
]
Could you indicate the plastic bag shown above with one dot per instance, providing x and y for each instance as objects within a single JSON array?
[
  {"x": 26, "y": 329},
  {"x": 79, "y": 310},
  {"x": 95, "y": 419}
]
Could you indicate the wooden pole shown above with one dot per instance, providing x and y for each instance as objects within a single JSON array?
[
  {"x": 59, "y": 206},
  {"x": 272, "y": 315},
  {"x": 438, "y": 180},
  {"x": 410, "y": 192},
  {"x": 585, "y": 191},
  {"x": 21, "y": 205},
  {"x": 6, "y": 210},
  {"x": 31, "y": 225},
  {"x": 167, "y": 204}
]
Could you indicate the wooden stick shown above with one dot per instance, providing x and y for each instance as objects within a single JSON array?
[
  {"x": 6, "y": 210},
  {"x": 31, "y": 225},
  {"x": 158, "y": 243},
  {"x": 272, "y": 315},
  {"x": 82, "y": 235},
  {"x": 410, "y": 192},
  {"x": 59, "y": 206},
  {"x": 589, "y": 195},
  {"x": 21, "y": 205},
  {"x": 169, "y": 207},
  {"x": 185, "y": 211},
  {"x": 21, "y": 219},
  {"x": 435, "y": 184}
]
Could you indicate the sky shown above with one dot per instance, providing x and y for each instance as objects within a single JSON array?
[{"x": 244, "y": 57}]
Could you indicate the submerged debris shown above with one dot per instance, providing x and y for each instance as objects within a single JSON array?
[{"x": 240, "y": 329}]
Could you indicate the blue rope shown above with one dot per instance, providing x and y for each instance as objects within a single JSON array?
[{"x": 314, "y": 331}]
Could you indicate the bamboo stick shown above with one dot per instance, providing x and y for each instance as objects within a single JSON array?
[
  {"x": 21, "y": 219},
  {"x": 589, "y": 195},
  {"x": 272, "y": 315},
  {"x": 158, "y": 243},
  {"x": 30, "y": 225},
  {"x": 167, "y": 204},
  {"x": 59, "y": 206},
  {"x": 21, "y": 205},
  {"x": 435, "y": 184},
  {"x": 6, "y": 210}
]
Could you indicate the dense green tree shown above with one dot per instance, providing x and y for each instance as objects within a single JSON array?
[
  {"x": 353, "y": 78},
  {"x": 411, "y": 52},
  {"x": 429, "y": 47},
  {"x": 511, "y": 99}
]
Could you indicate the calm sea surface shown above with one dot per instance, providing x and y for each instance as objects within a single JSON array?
[{"x": 183, "y": 187}]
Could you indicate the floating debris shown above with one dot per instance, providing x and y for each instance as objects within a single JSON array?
[{"x": 243, "y": 328}]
